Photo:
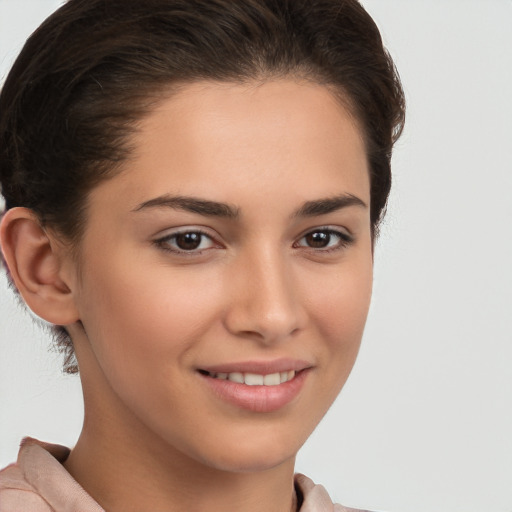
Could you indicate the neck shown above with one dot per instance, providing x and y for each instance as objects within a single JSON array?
[
  {"x": 125, "y": 467},
  {"x": 127, "y": 475}
]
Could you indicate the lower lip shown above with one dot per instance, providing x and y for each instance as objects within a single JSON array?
[{"x": 257, "y": 398}]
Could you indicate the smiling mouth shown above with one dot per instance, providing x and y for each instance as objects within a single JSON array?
[
  {"x": 253, "y": 379},
  {"x": 241, "y": 385}
]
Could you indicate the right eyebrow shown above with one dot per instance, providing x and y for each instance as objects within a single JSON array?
[
  {"x": 328, "y": 205},
  {"x": 191, "y": 204}
]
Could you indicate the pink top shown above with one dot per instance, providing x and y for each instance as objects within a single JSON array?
[{"x": 38, "y": 482}]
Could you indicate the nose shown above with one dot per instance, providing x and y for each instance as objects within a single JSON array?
[{"x": 264, "y": 303}]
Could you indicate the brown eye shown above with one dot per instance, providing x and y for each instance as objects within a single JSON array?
[
  {"x": 325, "y": 240},
  {"x": 188, "y": 241},
  {"x": 192, "y": 242},
  {"x": 318, "y": 239}
]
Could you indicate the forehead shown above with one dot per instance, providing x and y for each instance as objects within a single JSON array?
[{"x": 217, "y": 139}]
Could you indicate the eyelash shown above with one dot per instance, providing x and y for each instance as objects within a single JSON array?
[
  {"x": 164, "y": 242},
  {"x": 344, "y": 240}
]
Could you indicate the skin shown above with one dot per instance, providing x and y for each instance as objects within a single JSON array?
[{"x": 144, "y": 318}]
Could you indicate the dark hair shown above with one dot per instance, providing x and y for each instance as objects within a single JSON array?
[{"x": 95, "y": 67}]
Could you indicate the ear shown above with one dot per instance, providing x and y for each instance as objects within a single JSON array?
[{"x": 35, "y": 262}]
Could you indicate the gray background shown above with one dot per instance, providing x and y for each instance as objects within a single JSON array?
[{"x": 425, "y": 421}]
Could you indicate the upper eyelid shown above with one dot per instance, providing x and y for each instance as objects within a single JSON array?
[
  {"x": 333, "y": 229},
  {"x": 164, "y": 242},
  {"x": 216, "y": 238},
  {"x": 344, "y": 242},
  {"x": 170, "y": 232}
]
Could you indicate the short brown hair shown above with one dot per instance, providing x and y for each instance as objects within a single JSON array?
[{"x": 95, "y": 67}]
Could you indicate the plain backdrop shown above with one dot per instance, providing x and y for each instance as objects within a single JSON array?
[{"x": 425, "y": 421}]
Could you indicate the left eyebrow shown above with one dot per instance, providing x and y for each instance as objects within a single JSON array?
[
  {"x": 329, "y": 205},
  {"x": 193, "y": 205}
]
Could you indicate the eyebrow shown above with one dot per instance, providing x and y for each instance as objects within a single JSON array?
[
  {"x": 329, "y": 205},
  {"x": 216, "y": 209},
  {"x": 192, "y": 204}
]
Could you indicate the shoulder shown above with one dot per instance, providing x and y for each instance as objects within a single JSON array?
[
  {"x": 38, "y": 482},
  {"x": 316, "y": 498},
  {"x": 16, "y": 493}
]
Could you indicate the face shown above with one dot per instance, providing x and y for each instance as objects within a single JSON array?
[{"x": 226, "y": 273}]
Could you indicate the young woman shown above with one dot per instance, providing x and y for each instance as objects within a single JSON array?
[{"x": 193, "y": 190}]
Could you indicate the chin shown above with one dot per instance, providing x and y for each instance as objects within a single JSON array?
[
  {"x": 252, "y": 463},
  {"x": 250, "y": 455}
]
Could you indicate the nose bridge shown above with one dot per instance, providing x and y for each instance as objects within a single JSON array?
[{"x": 265, "y": 303}]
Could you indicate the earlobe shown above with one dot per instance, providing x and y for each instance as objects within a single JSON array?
[{"x": 35, "y": 264}]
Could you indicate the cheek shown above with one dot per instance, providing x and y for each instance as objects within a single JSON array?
[
  {"x": 340, "y": 313},
  {"x": 346, "y": 307},
  {"x": 142, "y": 317},
  {"x": 142, "y": 328}
]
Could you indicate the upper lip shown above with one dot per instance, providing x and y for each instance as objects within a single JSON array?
[{"x": 258, "y": 367}]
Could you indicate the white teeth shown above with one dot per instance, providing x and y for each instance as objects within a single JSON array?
[
  {"x": 252, "y": 379},
  {"x": 236, "y": 377},
  {"x": 272, "y": 379},
  {"x": 255, "y": 379}
]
